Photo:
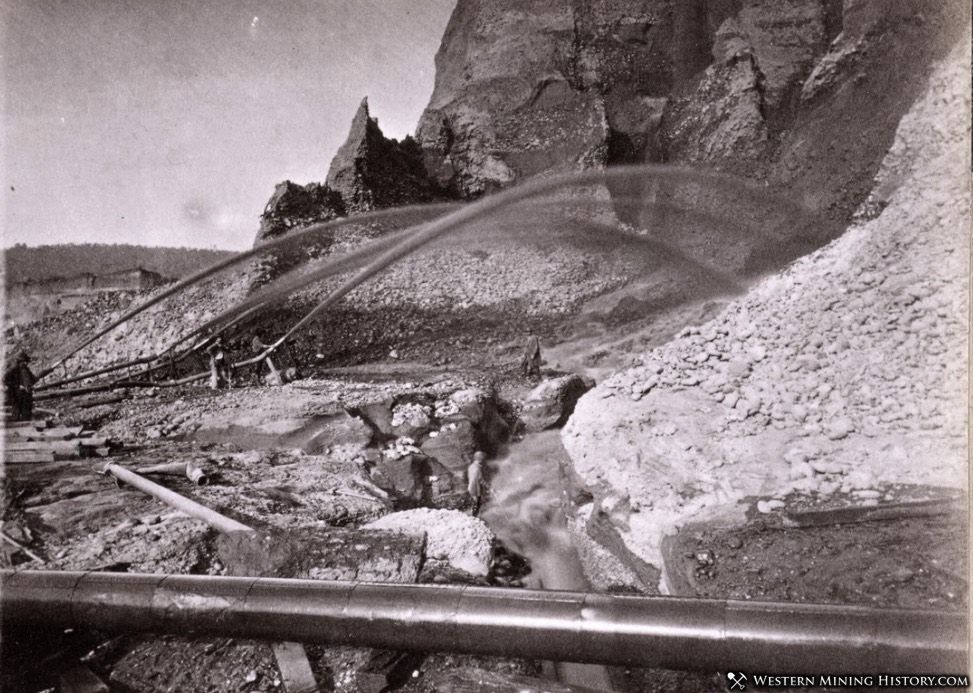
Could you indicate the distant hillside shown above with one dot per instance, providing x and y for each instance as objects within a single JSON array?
[{"x": 47, "y": 261}]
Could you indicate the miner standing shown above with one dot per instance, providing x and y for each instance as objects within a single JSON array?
[
  {"x": 219, "y": 369},
  {"x": 19, "y": 384},
  {"x": 474, "y": 480},
  {"x": 531, "y": 363}
]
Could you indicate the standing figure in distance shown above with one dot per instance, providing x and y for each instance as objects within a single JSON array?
[
  {"x": 219, "y": 369},
  {"x": 19, "y": 382},
  {"x": 474, "y": 480},
  {"x": 531, "y": 363}
]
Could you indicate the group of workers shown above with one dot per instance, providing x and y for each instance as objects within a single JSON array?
[{"x": 221, "y": 371}]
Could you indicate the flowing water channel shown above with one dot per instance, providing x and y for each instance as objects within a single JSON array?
[{"x": 526, "y": 510}]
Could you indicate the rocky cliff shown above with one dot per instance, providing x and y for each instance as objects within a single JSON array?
[
  {"x": 804, "y": 95},
  {"x": 368, "y": 172}
]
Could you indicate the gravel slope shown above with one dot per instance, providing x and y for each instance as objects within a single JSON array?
[{"x": 848, "y": 370}]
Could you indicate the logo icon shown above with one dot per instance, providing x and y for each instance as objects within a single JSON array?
[{"x": 738, "y": 681}]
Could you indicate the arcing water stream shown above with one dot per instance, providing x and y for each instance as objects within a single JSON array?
[{"x": 719, "y": 229}]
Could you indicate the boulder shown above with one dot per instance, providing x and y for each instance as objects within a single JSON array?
[
  {"x": 324, "y": 432},
  {"x": 493, "y": 430},
  {"x": 480, "y": 408},
  {"x": 378, "y": 415},
  {"x": 453, "y": 445},
  {"x": 294, "y": 205},
  {"x": 551, "y": 403},
  {"x": 469, "y": 402},
  {"x": 411, "y": 418},
  {"x": 415, "y": 478},
  {"x": 452, "y": 537}
]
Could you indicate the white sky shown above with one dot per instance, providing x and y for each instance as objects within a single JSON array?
[{"x": 169, "y": 122}]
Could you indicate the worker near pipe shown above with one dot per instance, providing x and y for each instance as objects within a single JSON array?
[
  {"x": 18, "y": 383},
  {"x": 219, "y": 367},
  {"x": 272, "y": 378},
  {"x": 530, "y": 364}
]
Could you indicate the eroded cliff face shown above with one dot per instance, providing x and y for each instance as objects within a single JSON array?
[
  {"x": 526, "y": 86},
  {"x": 803, "y": 95}
]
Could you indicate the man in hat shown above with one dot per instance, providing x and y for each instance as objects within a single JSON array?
[
  {"x": 19, "y": 383},
  {"x": 531, "y": 363}
]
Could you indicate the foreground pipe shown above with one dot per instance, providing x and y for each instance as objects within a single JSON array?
[
  {"x": 674, "y": 633},
  {"x": 174, "y": 500}
]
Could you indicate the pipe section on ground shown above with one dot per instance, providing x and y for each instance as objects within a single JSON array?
[
  {"x": 667, "y": 632},
  {"x": 174, "y": 500}
]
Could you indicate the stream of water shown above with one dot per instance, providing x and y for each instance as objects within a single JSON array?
[{"x": 526, "y": 512}]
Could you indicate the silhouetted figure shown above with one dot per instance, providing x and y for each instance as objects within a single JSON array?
[
  {"x": 19, "y": 383},
  {"x": 474, "y": 480},
  {"x": 219, "y": 368},
  {"x": 531, "y": 363},
  {"x": 272, "y": 378}
]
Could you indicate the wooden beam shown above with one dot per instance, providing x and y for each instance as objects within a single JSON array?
[
  {"x": 295, "y": 670},
  {"x": 27, "y": 456},
  {"x": 851, "y": 514}
]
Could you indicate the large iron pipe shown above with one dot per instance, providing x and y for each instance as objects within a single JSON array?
[{"x": 669, "y": 632}]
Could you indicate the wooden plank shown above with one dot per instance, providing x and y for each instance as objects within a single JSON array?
[
  {"x": 295, "y": 670},
  {"x": 66, "y": 448},
  {"x": 852, "y": 514},
  {"x": 58, "y": 433},
  {"x": 24, "y": 445},
  {"x": 17, "y": 425},
  {"x": 29, "y": 456},
  {"x": 13, "y": 452}
]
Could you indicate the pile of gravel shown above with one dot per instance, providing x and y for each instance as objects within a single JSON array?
[{"x": 846, "y": 371}]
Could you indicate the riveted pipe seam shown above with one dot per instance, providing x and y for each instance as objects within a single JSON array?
[{"x": 675, "y": 633}]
